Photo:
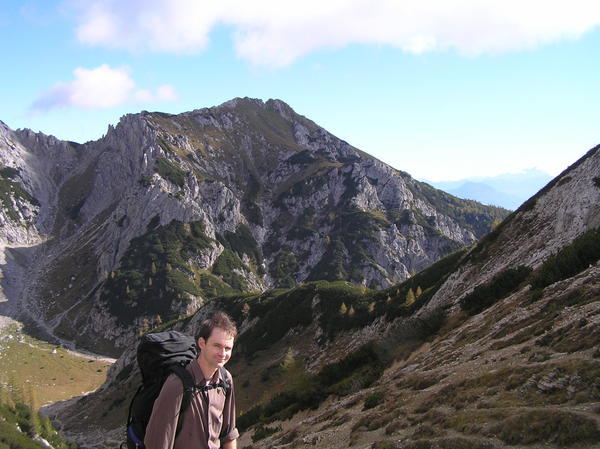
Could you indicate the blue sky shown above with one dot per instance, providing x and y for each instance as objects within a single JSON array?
[{"x": 442, "y": 90}]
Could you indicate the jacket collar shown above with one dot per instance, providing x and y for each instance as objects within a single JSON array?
[{"x": 199, "y": 376}]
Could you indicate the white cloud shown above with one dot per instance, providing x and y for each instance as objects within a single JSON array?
[
  {"x": 277, "y": 32},
  {"x": 162, "y": 25},
  {"x": 162, "y": 93},
  {"x": 99, "y": 88}
]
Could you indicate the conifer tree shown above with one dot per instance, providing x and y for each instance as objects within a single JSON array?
[
  {"x": 35, "y": 425},
  {"x": 289, "y": 360}
]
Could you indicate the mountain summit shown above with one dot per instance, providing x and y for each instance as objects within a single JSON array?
[{"x": 117, "y": 236}]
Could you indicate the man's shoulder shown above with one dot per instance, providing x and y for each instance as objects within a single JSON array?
[
  {"x": 226, "y": 377},
  {"x": 175, "y": 381},
  {"x": 225, "y": 374}
]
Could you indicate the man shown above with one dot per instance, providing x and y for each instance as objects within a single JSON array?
[{"x": 209, "y": 421}]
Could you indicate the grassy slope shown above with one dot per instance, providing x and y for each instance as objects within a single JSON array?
[
  {"x": 522, "y": 373},
  {"x": 30, "y": 368}
]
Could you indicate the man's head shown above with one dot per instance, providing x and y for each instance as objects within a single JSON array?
[
  {"x": 219, "y": 320},
  {"x": 215, "y": 340}
]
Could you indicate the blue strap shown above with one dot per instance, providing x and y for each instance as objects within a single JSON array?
[{"x": 133, "y": 437}]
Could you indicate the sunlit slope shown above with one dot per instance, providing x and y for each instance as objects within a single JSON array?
[{"x": 43, "y": 373}]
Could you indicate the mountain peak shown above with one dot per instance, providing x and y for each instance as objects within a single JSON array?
[
  {"x": 245, "y": 196},
  {"x": 239, "y": 101}
]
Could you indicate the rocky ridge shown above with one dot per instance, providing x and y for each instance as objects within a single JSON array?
[
  {"x": 245, "y": 196},
  {"x": 551, "y": 219}
]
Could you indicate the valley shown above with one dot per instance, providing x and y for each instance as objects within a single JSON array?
[{"x": 374, "y": 311}]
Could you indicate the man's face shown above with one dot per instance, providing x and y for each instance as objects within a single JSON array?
[{"x": 216, "y": 350}]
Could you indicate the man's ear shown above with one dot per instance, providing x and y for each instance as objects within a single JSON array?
[{"x": 201, "y": 343}]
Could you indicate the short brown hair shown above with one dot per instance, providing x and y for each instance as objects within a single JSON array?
[{"x": 220, "y": 320}]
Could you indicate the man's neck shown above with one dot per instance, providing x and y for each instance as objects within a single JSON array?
[{"x": 208, "y": 371}]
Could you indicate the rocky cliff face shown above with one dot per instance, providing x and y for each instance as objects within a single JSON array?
[{"x": 168, "y": 211}]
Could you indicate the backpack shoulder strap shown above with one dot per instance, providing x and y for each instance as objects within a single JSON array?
[
  {"x": 187, "y": 381},
  {"x": 225, "y": 376},
  {"x": 224, "y": 383}
]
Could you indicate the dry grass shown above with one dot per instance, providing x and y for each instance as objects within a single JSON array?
[
  {"x": 557, "y": 427},
  {"x": 43, "y": 373}
]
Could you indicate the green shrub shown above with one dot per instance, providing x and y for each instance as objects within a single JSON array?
[
  {"x": 428, "y": 281},
  {"x": 366, "y": 363},
  {"x": 249, "y": 418},
  {"x": 339, "y": 306},
  {"x": 170, "y": 171},
  {"x": 241, "y": 242},
  {"x": 9, "y": 172},
  {"x": 146, "y": 181},
  {"x": 279, "y": 312},
  {"x": 157, "y": 272},
  {"x": 262, "y": 432},
  {"x": 283, "y": 269},
  {"x": 499, "y": 287},
  {"x": 571, "y": 260},
  {"x": 19, "y": 425},
  {"x": 332, "y": 266},
  {"x": 357, "y": 370},
  {"x": 373, "y": 400},
  {"x": 224, "y": 267}
]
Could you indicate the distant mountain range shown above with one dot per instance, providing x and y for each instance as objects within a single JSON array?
[{"x": 508, "y": 190}]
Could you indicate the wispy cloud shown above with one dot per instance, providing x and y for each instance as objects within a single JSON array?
[
  {"x": 276, "y": 33},
  {"x": 99, "y": 88}
]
